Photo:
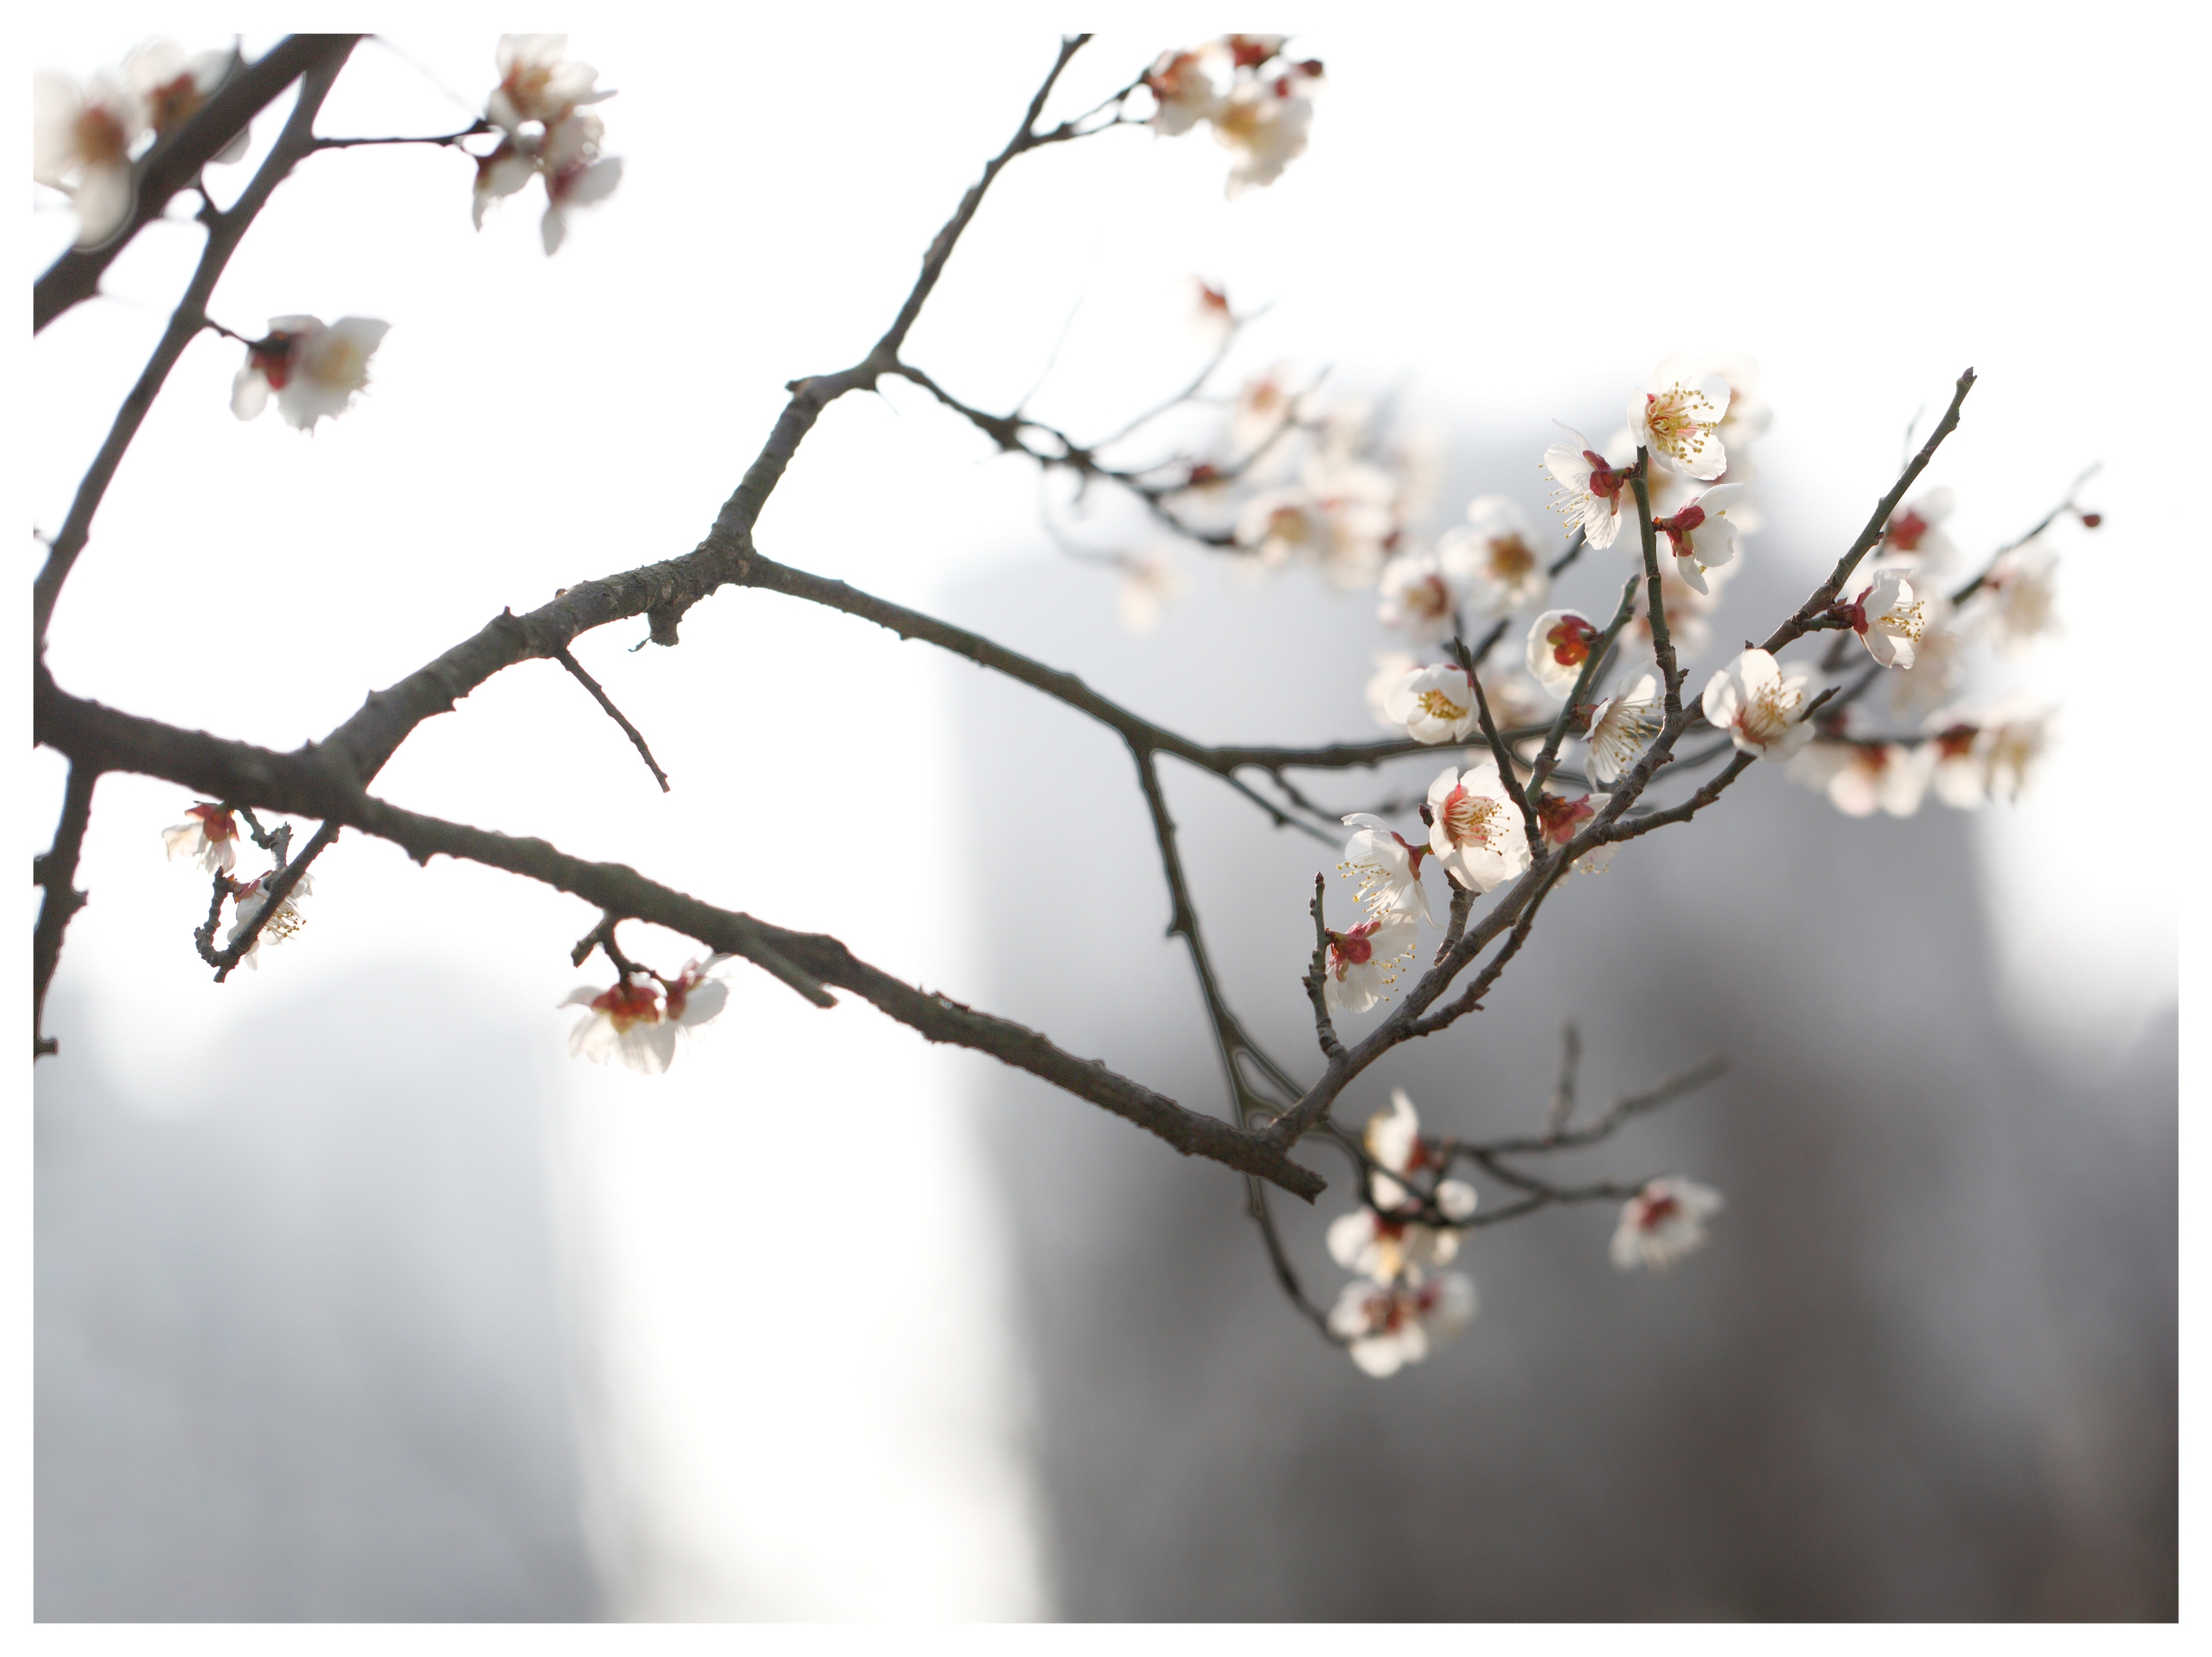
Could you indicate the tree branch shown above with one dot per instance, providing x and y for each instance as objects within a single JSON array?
[
  {"x": 54, "y": 870},
  {"x": 637, "y": 737}
]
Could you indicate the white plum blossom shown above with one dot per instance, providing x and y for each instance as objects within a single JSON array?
[
  {"x": 1591, "y": 493},
  {"x": 2021, "y": 605},
  {"x": 1363, "y": 962},
  {"x": 1663, "y": 1222},
  {"x": 1183, "y": 91},
  {"x": 1759, "y": 706},
  {"x": 1385, "y": 1329},
  {"x": 250, "y": 899},
  {"x": 576, "y": 176},
  {"x": 313, "y": 370},
  {"x": 1263, "y": 410},
  {"x": 1340, "y": 518},
  {"x": 81, "y": 139},
  {"x": 1389, "y": 866},
  {"x": 1390, "y": 667},
  {"x": 1861, "y": 779},
  {"x": 1699, "y": 535},
  {"x": 693, "y": 996},
  {"x": 1265, "y": 122},
  {"x": 1622, "y": 727},
  {"x": 539, "y": 84},
  {"x": 1562, "y": 817},
  {"x": 537, "y": 107},
  {"x": 1560, "y": 642},
  {"x": 1748, "y": 415},
  {"x": 1435, "y": 703},
  {"x": 1888, "y": 619},
  {"x": 1493, "y": 556},
  {"x": 1915, "y": 531},
  {"x": 1386, "y": 1239},
  {"x": 1938, "y": 660},
  {"x": 172, "y": 88},
  {"x": 629, "y": 1020},
  {"x": 208, "y": 836},
  {"x": 1417, "y": 598},
  {"x": 1475, "y": 828},
  {"x": 1678, "y": 419},
  {"x": 501, "y": 173}
]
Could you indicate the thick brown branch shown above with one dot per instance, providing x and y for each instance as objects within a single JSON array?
[{"x": 55, "y": 870}]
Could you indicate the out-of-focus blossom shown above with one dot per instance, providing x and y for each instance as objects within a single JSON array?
[
  {"x": 1663, "y": 1222},
  {"x": 1391, "y": 667},
  {"x": 1759, "y": 706},
  {"x": 81, "y": 138},
  {"x": 1888, "y": 619},
  {"x": 1699, "y": 535},
  {"x": 576, "y": 176},
  {"x": 1265, "y": 408},
  {"x": 1211, "y": 316},
  {"x": 1860, "y": 780},
  {"x": 1559, "y": 643},
  {"x": 1475, "y": 828},
  {"x": 1988, "y": 753},
  {"x": 2021, "y": 601},
  {"x": 1388, "y": 1329},
  {"x": 1150, "y": 582},
  {"x": 173, "y": 88},
  {"x": 539, "y": 105},
  {"x": 1591, "y": 493},
  {"x": 695, "y": 995},
  {"x": 313, "y": 370},
  {"x": 1183, "y": 91},
  {"x": 1938, "y": 660},
  {"x": 1265, "y": 122},
  {"x": 1339, "y": 517},
  {"x": 1389, "y": 866},
  {"x": 1915, "y": 530},
  {"x": 1435, "y": 703},
  {"x": 250, "y": 899},
  {"x": 1678, "y": 419},
  {"x": 629, "y": 1020},
  {"x": 501, "y": 173},
  {"x": 1515, "y": 699},
  {"x": 540, "y": 83},
  {"x": 1494, "y": 558},
  {"x": 1363, "y": 961},
  {"x": 1622, "y": 727},
  {"x": 1416, "y": 597},
  {"x": 1562, "y": 817},
  {"x": 1386, "y": 1239},
  {"x": 208, "y": 836}
]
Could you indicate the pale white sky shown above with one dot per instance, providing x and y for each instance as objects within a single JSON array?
[{"x": 1514, "y": 215}]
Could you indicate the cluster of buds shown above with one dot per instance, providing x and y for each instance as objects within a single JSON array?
[
  {"x": 539, "y": 108},
  {"x": 638, "y": 1017},
  {"x": 1258, "y": 100},
  {"x": 86, "y": 138},
  {"x": 1402, "y": 1304}
]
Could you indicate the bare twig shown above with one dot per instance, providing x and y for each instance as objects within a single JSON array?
[{"x": 562, "y": 655}]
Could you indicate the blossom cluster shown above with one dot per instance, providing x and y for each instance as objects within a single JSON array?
[
  {"x": 1258, "y": 100},
  {"x": 546, "y": 133},
  {"x": 86, "y": 136},
  {"x": 209, "y": 836},
  {"x": 638, "y": 1017}
]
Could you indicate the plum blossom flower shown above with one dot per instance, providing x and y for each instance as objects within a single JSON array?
[
  {"x": 1748, "y": 416},
  {"x": 1389, "y": 866},
  {"x": 629, "y": 1019},
  {"x": 173, "y": 88},
  {"x": 1861, "y": 779},
  {"x": 1150, "y": 582},
  {"x": 1435, "y": 703},
  {"x": 538, "y": 83},
  {"x": 1387, "y": 1328},
  {"x": 1938, "y": 660},
  {"x": 1561, "y": 817},
  {"x": 250, "y": 899},
  {"x": 1678, "y": 419},
  {"x": 1591, "y": 491},
  {"x": 1663, "y": 1222},
  {"x": 1560, "y": 642},
  {"x": 1700, "y": 536},
  {"x": 2022, "y": 602},
  {"x": 500, "y": 174},
  {"x": 1622, "y": 726},
  {"x": 1915, "y": 530},
  {"x": 1183, "y": 91},
  {"x": 1263, "y": 410},
  {"x": 81, "y": 139},
  {"x": 1363, "y": 963},
  {"x": 1888, "y": 619},
  {"x": 1475, "y": 828},
  {"x": 1759, "y": 706},
  {"x": 1417, "y": 599},
  {"x": 1988, "y": 753},
  {"x": 1493, "y": 556},
  {"x": 693, "y": 996},
  {"x": 1390, "y": 667},
  {"x": 1264, "y": 121},
  {"x": 1340, "y": 517},
  {"x": 208, "y": 836},
  {"x": 1386, "y": 1239},
  {"x": 313, "y": 370},
  {"x": 576, "y": 176}
]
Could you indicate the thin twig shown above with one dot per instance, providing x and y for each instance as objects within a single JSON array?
[{"x": 567, "y": 660}]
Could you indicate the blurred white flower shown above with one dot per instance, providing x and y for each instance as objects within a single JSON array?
[
  {"x": 1389, "y": 866},
  {"x": 1183, "y": 92},
  {"x": 1475, "y": 828},
  {"x": 1938, "y": 660},
  {"x": 1435, "y": 703},
  {"x": 208, "y": 836},
  {"x": 1622, "y": 726},
  {"x": 81, "y": 138},
  {"x": 313, "y": 370},
  {"x": 1388, "y": 1329},
  {"x": 1860, "y": 779},
  {"x": 1590, "y": 493},
  {"x": 172, "y": 88},
  {"x": 1417, "y": 599},
  {"x": 250, "y": 899},
  {"x": 1759, "y": 706},
  {"x": 501, "y": 173},
  {"x": 2021, "y": 603},
  {"x": 1888, "y": 619},
  {"x": 1150, "y": 582},
  {"x": 1363, "y": 962},
  {"x": 629, "y": 1020},
  {"x": 1663, "y": 1222},
  {"x": 1265, "y": 408},
  {"x": 1990, "y": 752},
  {"x": 1700, "y": 536},
  {"x": 1560, "y": 642},
  {"x": 1561, "y": 817},
  {"x": 1264, "y": 121},
  {"x": 576, "y": 175},
  {"x": 1678, "y": 419},
  {"x": 694, "y": 995},
  {"x": 1915, "y": 531},
  {"x": 1390, "y": 667},
  {"x": 538, "y": 83},
  {"x": 1493, "y": 556}
]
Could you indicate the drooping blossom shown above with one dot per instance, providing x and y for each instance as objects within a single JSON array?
[
  {"x": 250, "y": 899},
  {"x": 694, "y": 995},
  {"x": 1663, "y": 1222},
  {"x": 173, "y": 88},
  {"x": 2021, "y": 591},
  {"x": 1560, "y": 642},
  {"x": 1678, "y": 419},
  {"x": 1385, "y": 1238},
  {"x": 81, "y": 139},
  {"x": 1888, "y": 619},
  {"x": 1493, "y": 556},
  {"x": 1475, "y": 828},
  {"x": 1699, "y": 536},
  {"x": 1417, "y": 599},
  {"x": 629, "y": 1020},
  {"x": 538, "y": 107},
  {"x": 313, "y": 370},
  {"x": 1861, "y": 779},
  {"x": 1561, "y": 817},
  {"x": 1363, "y": 961},
  {"x": 1264, "y": 120},
  {"x": 576, "y": 176},
  {"x": 1183, "y": 91},
  {"x": 1622, "y": 727},
  {"x": 208, "y": 836},
  {"x": 539, "y": 84},
  {"x": 1591, "y": 493},
  {"x": 1387, "y": 1328},
  {"x": 1435, "y": 703},
  {"x": 500, "y": 174},
  {"x": 1389, "y": 866},
  {"x": 1915, "y": 530},
  {"x": 1759, "y": 706}
]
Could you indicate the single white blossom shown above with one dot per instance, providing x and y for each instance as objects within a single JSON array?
[
  {"x": 1389, "y": 866},
  {"x": 501, "y": 173},
  {"x": 2019, "y": 598},
  {"x": 1385, "y": 1329},
  {"x": 249, "y": 901},
  {"x": 576, "y": 174},
  {"x": 538, "y": 83},
  {"x": 1938, "y": 660},
  {"x": 1759, "y": 706},
  {"x": 1663, "y": 1222},
  {"x": 1265, "y": 122},
  {"x": 1861, "y": 779},
  {"x": 172, "y": 88},
  {"x": 1988, "y": 753},
  {"x": 629, "y": 1019},
  {"x": 694, "y": 995},
  {"x": 1265, "y": 408},
  {"x": 1679, "y": 421},
  {"x": 313, "y": 370},
  {"x": 1435, "y": 703},
  {"x": 1561, "y": 817},
  {"x": 1417, "y": 598},
  {"x": 1699, "y": 535},
  {"x": 208, "y": 836},
  {"x": 1363, "y": 962},
  {"x": 1475, "y": 828},
  {"x": 1560, "y": 642},
  {"x": 1591, "y": 493},
  {"x": 1748, "y": 415},
  {"x": 1915, "y": 530},
  {"x": 1150, "y": 582},
  {"x": 1183, "y": 91},
  {"x": 1622, "y": 727},
  {"x": 1385, "y": 1238},
  {"x": 81, "y": 139},
  {"x": 1493, "y": 557},
  {"x": 1888, "y": 619},
  {"x": 1390, "y": 667}
]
